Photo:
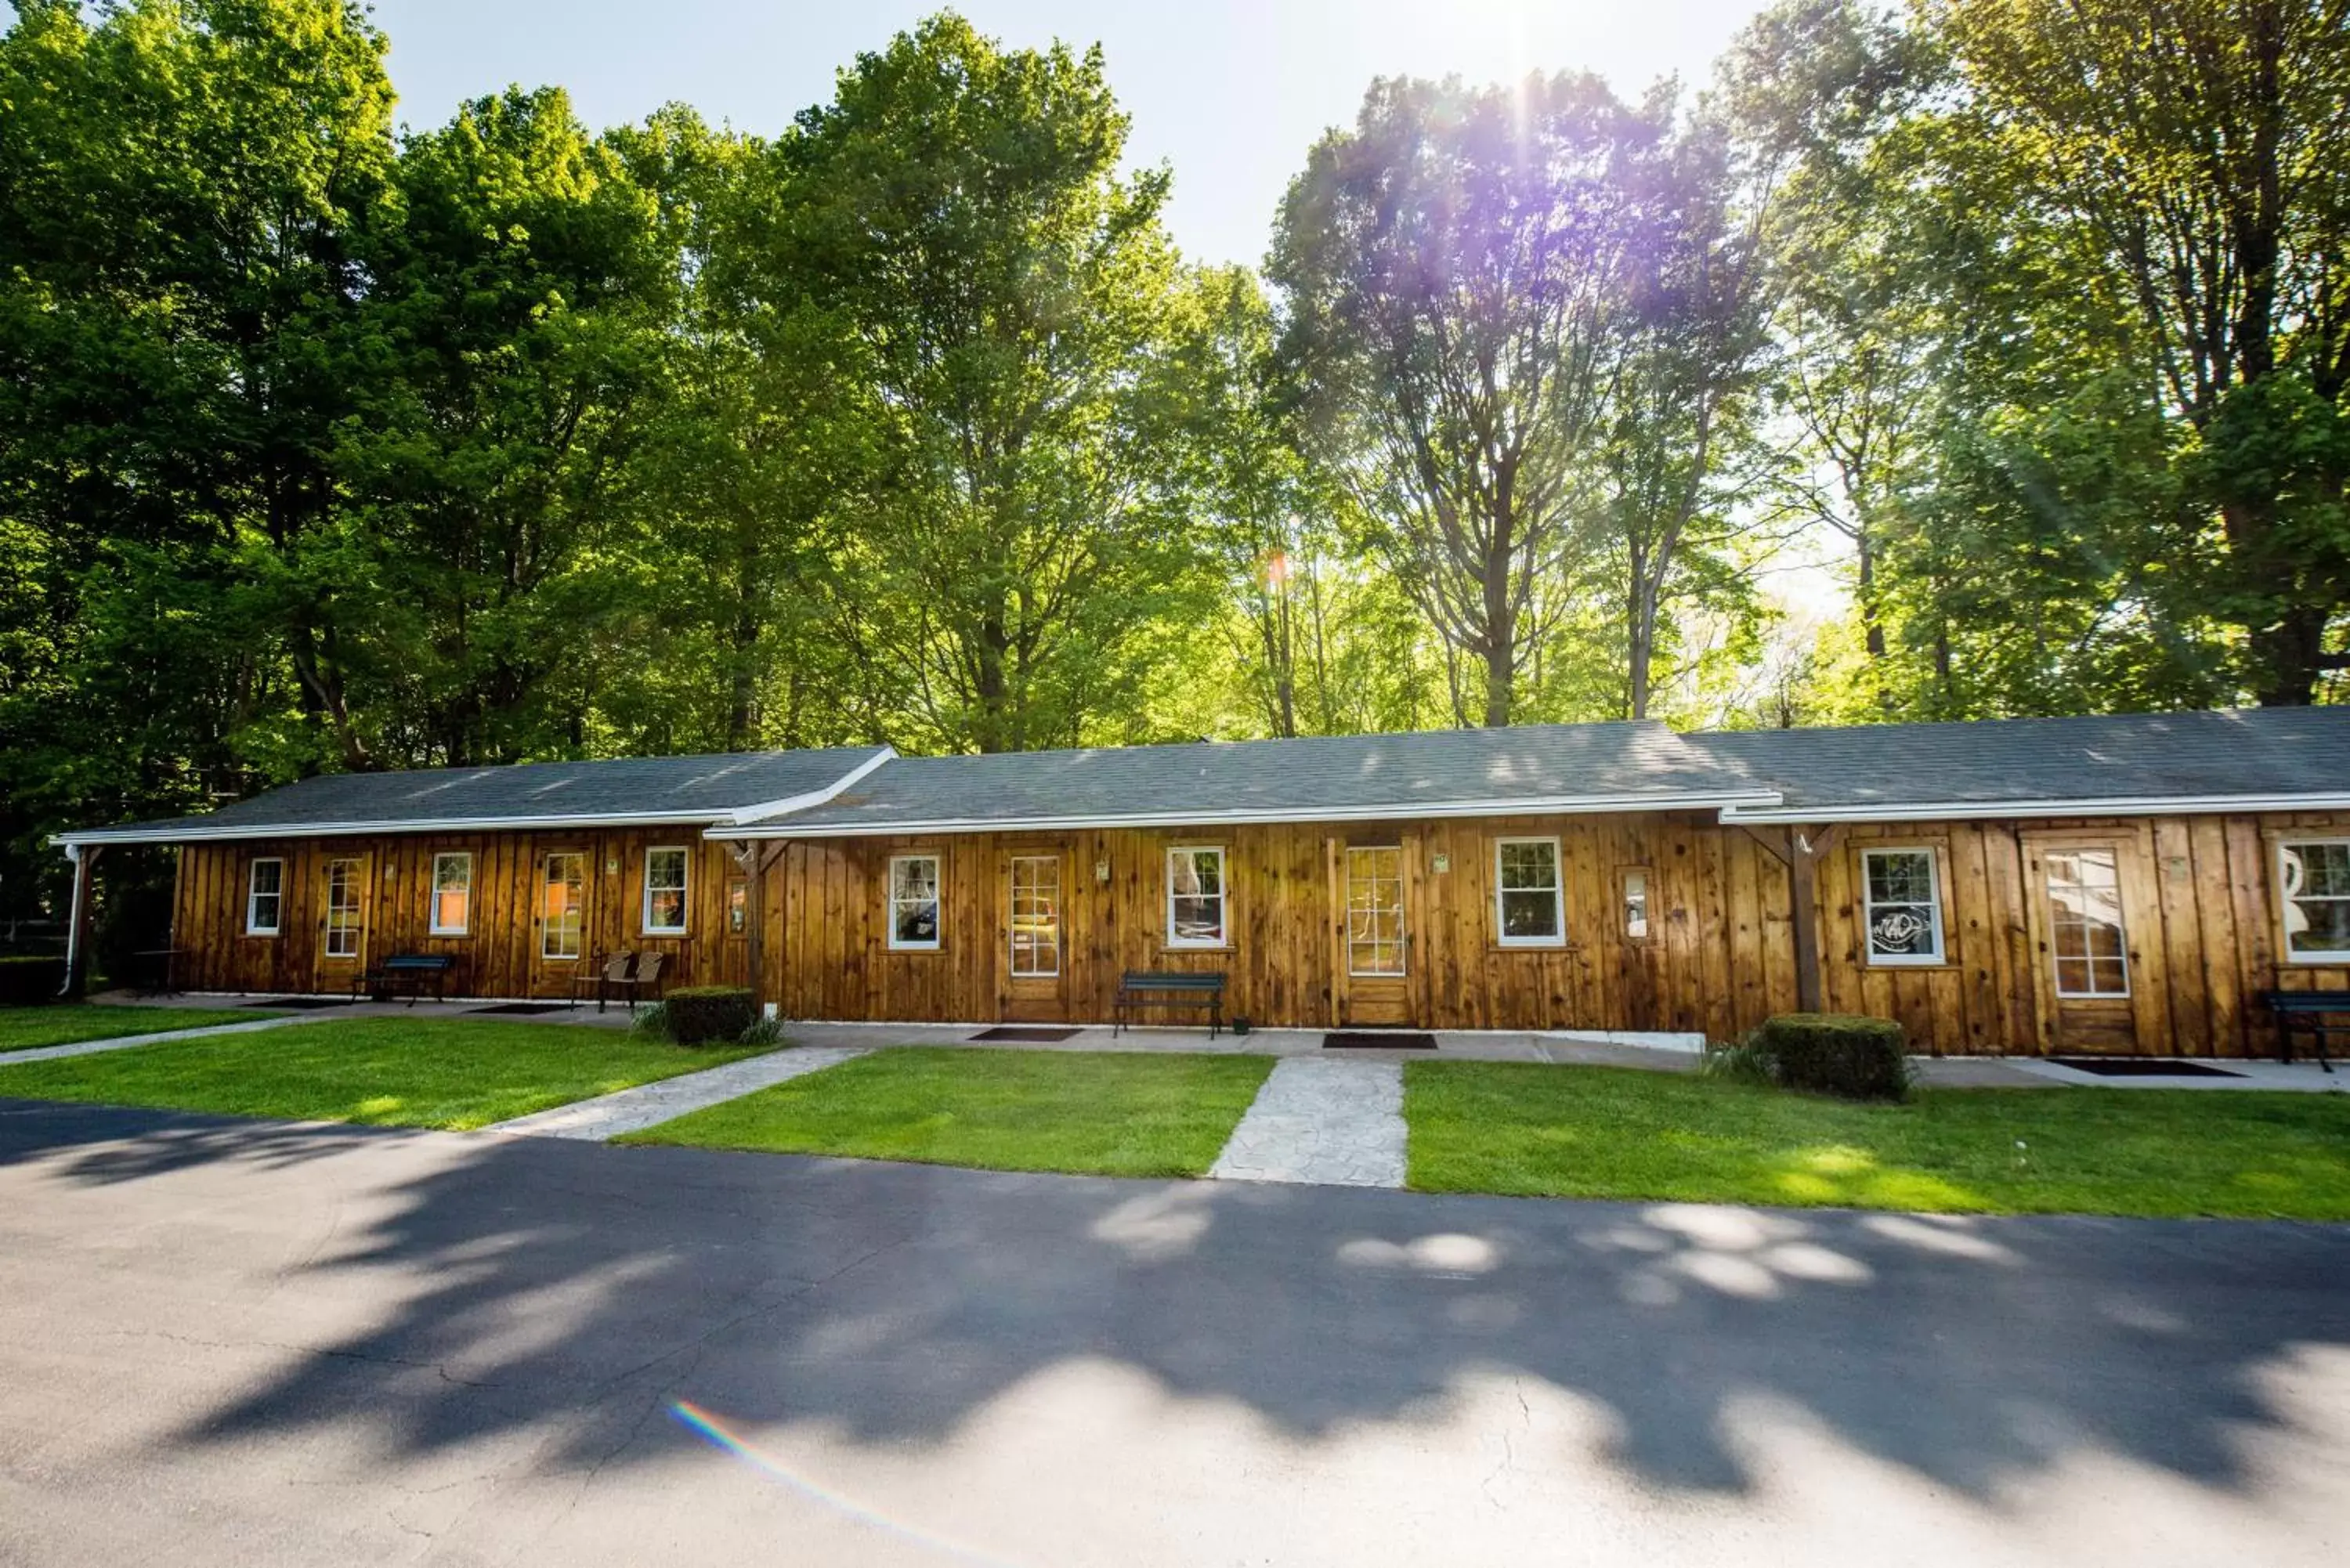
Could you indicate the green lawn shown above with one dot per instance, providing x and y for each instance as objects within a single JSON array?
[
  {"x": 1594, "y": 1132},
  {"x": 23, "y": 1028},
  {"x": 381, "y": 1070},
  {"x": 1002, "y": 1110}
]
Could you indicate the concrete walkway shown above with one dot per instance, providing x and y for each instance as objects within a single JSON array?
[
  {"x": 124, "y": 1042},
  {"x": 650, "y": 1105},
  {"x": 1323, "y": 1122}
]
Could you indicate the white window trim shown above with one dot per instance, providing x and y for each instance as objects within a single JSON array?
[
  {"x": 1870, "y": 955},
  {"x": 433, "y": 894},
  {"x": 889, "y": 905},
  {"x": 684, "y": 889},
  {"x": 2285, "y": 936},
  {"x": 253, "y": 928},
  {"x": 1558, "y": 939},
  {"x": 1223, "y": 938}
]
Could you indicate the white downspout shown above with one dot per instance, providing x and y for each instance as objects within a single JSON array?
[{"x": 73, "y": 920}]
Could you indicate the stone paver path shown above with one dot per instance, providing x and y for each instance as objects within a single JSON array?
[
  {"x": 124, "y": 1042},
  {"x": 1334, "y": 1122},
  {"x": 650, "y": 1105}
]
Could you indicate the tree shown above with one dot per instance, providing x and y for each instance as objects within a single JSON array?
[
  {"x": 960, "y": 206},
  {"x": 2195, "y": 153},
  {"x": 1454, "y": 270}
]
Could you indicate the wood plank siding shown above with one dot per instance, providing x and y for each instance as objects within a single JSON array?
[
  {"x": 1718, "y": 955},
  {"x": 502, "y": 954}
]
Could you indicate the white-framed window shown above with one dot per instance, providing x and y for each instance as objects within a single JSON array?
[
  {"x": 1196, "y": 897},
  {"x": 1901, "y": 894},
  {"x": 738, "y": 905},
  {"x": 914, "y": 903},
  {"x": 1035, "y": 916},
  {"x": 2313, "y": 880},
  {"x": 1529, "y": 894},
  {"x": 2084, "y": 923},
  {"x": 665, "y": 892},
  {"x": 453, "y": 894},
  {"x": 264, "y": 898}
]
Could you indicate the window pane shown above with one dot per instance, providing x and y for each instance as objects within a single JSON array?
[
  {"x": 1901, "y": 930},
  {"x": 1198, "y": 919},
  {"x": 453, "y": 880},
  {"x": 738, "y": 905},
  {"x": 1529, "y": 863},
  {"x": 1901, "y": 877},
  {"x": 1529, "y": 914},
  {"x": 1636, "y": 903}
]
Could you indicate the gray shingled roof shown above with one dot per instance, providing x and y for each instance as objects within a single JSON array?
[
  {"x": 2252, "y": 752},
  {"x": 1537, "y": 767},
  {"x": 629, "y": 789}
]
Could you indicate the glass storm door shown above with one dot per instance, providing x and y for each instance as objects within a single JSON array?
[
  {"x": 342, "y": 920},
  {"x": 563, "y": 906},
  {"x": 1375, "y": 945},
  {"x": 1032, "y": 990},
  {"x": 2085, "y": 891}
]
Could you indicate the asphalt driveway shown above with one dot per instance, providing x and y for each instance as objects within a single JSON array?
[{"x": 251, "y": 1342}]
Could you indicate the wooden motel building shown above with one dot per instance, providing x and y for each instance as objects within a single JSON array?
[{"x": 2127, "y": 884}]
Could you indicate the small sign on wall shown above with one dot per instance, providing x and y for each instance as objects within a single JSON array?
[{"x": 1441, "y": 862}]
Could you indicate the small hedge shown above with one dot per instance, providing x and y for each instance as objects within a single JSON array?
[
  {"x": 29, "y": 981},
  {"x": 1838, "y": 1054},
  {"x": 702, "y": 1014}
]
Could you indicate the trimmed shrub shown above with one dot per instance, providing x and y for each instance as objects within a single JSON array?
[
  {"x": 31, "y": 979},
  {"x": 699, "y": 1015},
  {"x": 1838, "y": 1054}
]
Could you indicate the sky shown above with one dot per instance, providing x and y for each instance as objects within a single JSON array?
[{"x": 1229, "y": 94}]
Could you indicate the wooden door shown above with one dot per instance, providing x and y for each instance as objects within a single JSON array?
[
  {"x": 1374, "y": 946},
  {"x": 1035, "y": 949},
  {"x": 2097, "y": 981},
  {"x": 559, "y": 926},
  {"x": 346, "y": 903}
]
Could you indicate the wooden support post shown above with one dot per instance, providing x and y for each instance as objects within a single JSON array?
[
  {"x": 1804, "y": 847},
  {"x": 83, "y": 858}
]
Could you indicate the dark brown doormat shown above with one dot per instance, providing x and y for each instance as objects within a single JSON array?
[
  {"x": 1026, "y": 1034},
  {"x": 302, "y": 1004},
  {"x": 525, "y": 1007},
  {"x": 2142, "y": 1067},
  {"x": 1369, "y": 1040}
]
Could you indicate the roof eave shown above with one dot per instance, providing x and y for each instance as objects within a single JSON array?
[
  {"x": 2086, "y": 805},
  {"x": 176, "y": 832}
]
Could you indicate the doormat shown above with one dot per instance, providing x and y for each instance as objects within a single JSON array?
[
  {"x": 302, "y": 1004},
  {"x": 2142, "y": 1067},
  {"x": 1365, "y": 1040},
  {"x": 1027, "y": 1034},
  {"x": 525, "y": 1007}
]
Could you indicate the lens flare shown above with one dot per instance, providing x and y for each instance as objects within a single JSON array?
[{"x": 714, "y": 1432}]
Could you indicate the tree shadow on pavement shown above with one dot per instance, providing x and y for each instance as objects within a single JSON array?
[{"x": 578, "y": 1290}]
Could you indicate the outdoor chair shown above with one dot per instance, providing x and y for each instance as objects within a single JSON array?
[
  {"x": 645, "y": 981},
  {"x": 615, "y": 969}
]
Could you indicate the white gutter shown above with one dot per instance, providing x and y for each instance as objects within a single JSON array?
[
  {"x": 2116, "y": 806},
  {"x": 1521, "y": 805},
  {"x": 814, "y": 797},
  {"x": 195, "y": 832}
]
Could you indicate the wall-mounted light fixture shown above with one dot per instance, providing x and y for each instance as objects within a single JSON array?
[
  {"x": 612, "y": 866},
  {"x": 1101, "y": 870}
]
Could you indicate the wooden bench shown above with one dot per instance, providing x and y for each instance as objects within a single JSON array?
[
  {"x": 406, "y": 971},
  {"x": 2307, "y": 1010},
  {"x": 1162, "y": 988}
]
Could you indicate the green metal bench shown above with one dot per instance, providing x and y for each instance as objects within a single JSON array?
[
  {"x": 405, "y": 971},
  {"x": 2307, "y": 1011},
  {"x": 1168, "y": 988}
]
